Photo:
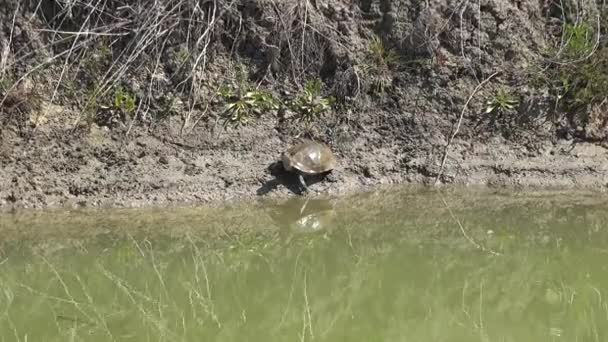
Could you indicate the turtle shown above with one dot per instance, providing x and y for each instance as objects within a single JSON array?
[{"x": 308, "y": 157}]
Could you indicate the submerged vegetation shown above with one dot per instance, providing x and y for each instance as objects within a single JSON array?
[
  {"x": 99, "y": 93},
  {"x": 240, "y": 274}
]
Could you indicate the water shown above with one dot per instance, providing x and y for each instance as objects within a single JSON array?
[{"x": 385, "y": 266}]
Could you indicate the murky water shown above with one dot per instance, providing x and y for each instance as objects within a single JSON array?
[{"x": 398, "y": 266}]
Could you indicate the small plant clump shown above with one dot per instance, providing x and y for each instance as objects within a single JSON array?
[
  {"x": 579, "y": 40},
  {"x": 311, "y": 105},
  {"x": 124, "y": 101},
  {"x": 308, "y": 106},
  {"x": 502, "y": 100},
  {"x": 379, "y": 63},
  {"x": 240, "y": 109},
  {"x": 579, "y": 78},
  {"x": 109, "y": 109},
  {"x": 4, "y": 84},
  {"x": 381, "y": 55}
]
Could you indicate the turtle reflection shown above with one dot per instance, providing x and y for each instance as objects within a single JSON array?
[{"x": 308, "y": 216}]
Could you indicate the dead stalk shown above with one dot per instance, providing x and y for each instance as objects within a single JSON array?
[
  {"x": 5, "y": 53},
  {"x": 457, "y": 129},
  {"x": 463, "y": 231},
  {"x": 72, "y": 48}
]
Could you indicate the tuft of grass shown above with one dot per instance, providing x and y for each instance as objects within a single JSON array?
[
  {"x": 582, "y": 83},
  {"x": 382, "y": 55},
  {"x": 90, "y": 104},
  {"x": 378, "y": 65},
  {"x": 579, "y": 40},
  {"x": 308, "y": 106},
  {"x": 108, "y": 109},
  {"x": 578, "y": 81}
]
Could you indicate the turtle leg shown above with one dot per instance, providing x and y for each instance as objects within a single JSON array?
[{"x": 301, "y": 178}]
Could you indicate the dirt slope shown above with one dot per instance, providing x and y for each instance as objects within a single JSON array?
[{"x": 402, "y": 74}]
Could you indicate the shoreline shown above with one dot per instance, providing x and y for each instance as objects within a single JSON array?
[
  {"x": 534, "y": 180},
  {"x": 198, "y": 112}
]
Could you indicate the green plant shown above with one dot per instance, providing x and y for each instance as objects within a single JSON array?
[
  {"x": 380, "y": 54},
  {"x": 310, "y": 105},
  {"x": 225, "y": 92},
  {"x": 579, "y": 40},
  {"x": 381, "y": 83},
  {"x": 97, "y": 60},
  {"x": 182, "y": 56},
  {"x": 240, "y": 110},
  {"x": 168, "y": 105},
  {"x": 4, "y": 84},
  {"x": 90, "y": 108},
  {"x": 580, "y": 79},
  {"x": 501, "y": 100},
  {"x": 378, "y": 65},
  {"x": 124, "y": 101}
]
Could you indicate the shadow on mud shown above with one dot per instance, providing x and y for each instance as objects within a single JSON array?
[{"x": 287, "y": 179}]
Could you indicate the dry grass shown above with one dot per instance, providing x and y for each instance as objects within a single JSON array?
[
  {"x": 172, "y": 57},
  {"x": 171, "y": 52}
]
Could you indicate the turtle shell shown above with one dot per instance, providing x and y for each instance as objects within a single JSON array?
[{"x": 309, "y": 157}]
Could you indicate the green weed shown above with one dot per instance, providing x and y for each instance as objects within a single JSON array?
[
  {"x": 183, "y": 55},
  {"x": 91, "y": 106},
  {"x": 579, "y": 79},
  {"x": 378, "y": 65},
  {"x": 4, "y": 84},
  {"x": 579, "y": 40},
  {"x": 169, "y": 105},
  {"x": 311, "y": 105},
  {"x": 381, "y": 55},
  {"x": 241, "y": 109},
  {"x": 584, "y": 82},
  {"x": 105, "y": 109},
  {"x": 501, "y": 100},
  {"x": 98, "y": 60},
  {"x": 124, "y": 101}
]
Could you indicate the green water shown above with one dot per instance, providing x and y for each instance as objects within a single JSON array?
[{"x": 384, "y": 266}]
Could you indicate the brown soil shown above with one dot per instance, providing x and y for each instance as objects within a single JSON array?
[{"x": 394, "y": 137}]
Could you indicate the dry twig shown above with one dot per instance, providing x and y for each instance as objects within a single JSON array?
[{"x": 449, "y": 142}]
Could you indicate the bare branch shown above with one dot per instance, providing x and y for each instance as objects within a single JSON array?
[{"x": 464, "y": 109}]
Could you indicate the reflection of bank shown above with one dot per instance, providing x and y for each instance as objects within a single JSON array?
[{"x": 304, "y": 216}]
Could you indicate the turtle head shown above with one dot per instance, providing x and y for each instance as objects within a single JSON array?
[{"x": 286, "y": 160}]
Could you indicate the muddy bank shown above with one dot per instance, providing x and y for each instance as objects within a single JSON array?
[
  {"x": 112, "y": 115},
  {"x": 145, "y": 170}
]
